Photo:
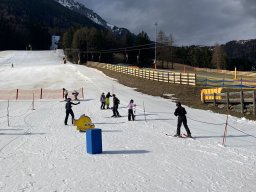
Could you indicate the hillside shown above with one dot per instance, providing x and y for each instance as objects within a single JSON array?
[
  {"x": 24, "y": 22},
  {"x": 242, "y": 54}
]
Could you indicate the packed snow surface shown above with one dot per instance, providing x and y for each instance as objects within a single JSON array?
[{"x": 39, "y": 153}]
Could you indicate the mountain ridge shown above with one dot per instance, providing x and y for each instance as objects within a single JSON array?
[{"x": 90, "y": 14}]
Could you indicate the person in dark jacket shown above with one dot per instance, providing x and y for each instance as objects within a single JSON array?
[
  {"x": 69, "y": 110},
  {"x": 181, "y": 113},
  {"x": 65, "y": 93},
  {"x": 102, "y": 100},
  {"x": 116, "y": 102}
]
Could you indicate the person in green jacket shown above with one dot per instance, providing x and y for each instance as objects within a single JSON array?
[{"x": 107, "y": 102}]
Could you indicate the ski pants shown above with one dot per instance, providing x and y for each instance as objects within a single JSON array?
[
  {"x": 182, "y": 119},
  {"x": 130, "y": 114},
  {"x": 102, "y": 105},
  {"x": 107, "y": 102},
  {"x": 115, "y": 111},
  {"x": 69, "y": 111}
]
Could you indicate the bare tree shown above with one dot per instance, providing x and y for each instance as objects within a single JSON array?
[
  {"x": 219, "y": 57},
  {"x": 170, "y": 44},
  {"x": 162, "y": 41}
]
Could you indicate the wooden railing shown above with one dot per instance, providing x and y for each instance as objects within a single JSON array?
[
  {"x": 151, "y": 74},
  {"x": 232, "y": 98}
]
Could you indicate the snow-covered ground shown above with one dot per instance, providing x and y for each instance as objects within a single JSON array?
[{"x": 39, "y": 153}]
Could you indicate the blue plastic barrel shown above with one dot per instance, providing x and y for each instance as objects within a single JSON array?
[{"x": 94, "y": 141}]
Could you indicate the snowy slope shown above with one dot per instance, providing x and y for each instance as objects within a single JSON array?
[{"x": 39, "y": 153}]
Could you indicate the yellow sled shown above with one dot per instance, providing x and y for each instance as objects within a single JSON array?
[{"x": 84, "y": 123}]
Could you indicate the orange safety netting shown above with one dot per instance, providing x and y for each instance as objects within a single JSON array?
[
  {"x": 37, "y": 94},
  {"x": 8, "y": 94}
]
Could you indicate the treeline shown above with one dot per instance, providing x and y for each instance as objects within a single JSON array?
[
  {"x": 82, "y": 44},
  {"x": 14, "y": 35}
]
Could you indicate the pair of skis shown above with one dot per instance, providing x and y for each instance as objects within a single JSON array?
[{"x": 182, "y": 136}]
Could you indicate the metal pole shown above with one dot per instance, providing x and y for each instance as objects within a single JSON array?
[
  {"x": 144, "y": 111},
  {"x": 33, "y": 102},
  {"x": 155, "y": 42},
  {"x": 8, "y": 114},
  {"x": 225, "y": 132}
]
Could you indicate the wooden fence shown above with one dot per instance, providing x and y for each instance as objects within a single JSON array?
[
  {"x": 232, "y": 98},
  {"x": 154, "y": 75}
]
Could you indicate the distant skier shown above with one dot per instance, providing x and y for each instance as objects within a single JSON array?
[
  {"x": 75, "y": 93},
  {"x": 131, "y": 106},
  {"x": 12, "y": 65},
  {"x": 181, "y": 113},
  {"x": 107, "y": 102},
  {"x": 69, "y": 110},
  {"x": 116, "y": 102},
  {"x": 65, "y": 93},
  {"x": 102, "y": 100}
]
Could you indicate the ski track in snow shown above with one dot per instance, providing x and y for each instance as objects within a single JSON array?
[{"x": 39, "y": 153}]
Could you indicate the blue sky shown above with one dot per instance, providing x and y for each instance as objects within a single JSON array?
[{"x": 203, "y": 22}]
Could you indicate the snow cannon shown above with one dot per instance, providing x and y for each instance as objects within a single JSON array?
[{"x": 83, "y": 123}]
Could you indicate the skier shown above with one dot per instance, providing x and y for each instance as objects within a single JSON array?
[
  {"x": 103, "y": 100},
  {"x": 107, "y": 102},
  {"x": 181, "y": 113},
  {"x": 116, "y": 102},
  {"x": 131, "y": 105},
  {"x": 69, "y": 110},
  {"x": 75, "y": 93},
  {"x": 65, "y": 92}
]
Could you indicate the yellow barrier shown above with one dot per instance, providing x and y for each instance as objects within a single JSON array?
[
  {"x": 84, "y": 123},
  {"x": 210, "y": 91}
]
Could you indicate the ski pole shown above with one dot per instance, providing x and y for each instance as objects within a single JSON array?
[{"x": 144, "y": 111}]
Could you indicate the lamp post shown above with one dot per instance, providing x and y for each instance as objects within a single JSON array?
[{"x": 155, "y": 43}]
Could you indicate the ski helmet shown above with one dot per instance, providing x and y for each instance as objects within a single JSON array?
[{"x": 178, "y": 104}]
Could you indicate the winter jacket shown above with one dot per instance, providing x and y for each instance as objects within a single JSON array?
[
  {"x": 102, "y": 98},
  {"x": 108, "y": 95},
  {"x": 69, "y": 105},
  {"x": 180, "y": 111},
  {"x": 116, "y": 101},
  {"x": 131, "y": 105}
]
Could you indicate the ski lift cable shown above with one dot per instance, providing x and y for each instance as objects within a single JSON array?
[
  {"x": 122, "y": 48},
  {"x": 209, "y": 123},
  {"x": 242, "y": 131},
  {"x": 120, "y": 51}
]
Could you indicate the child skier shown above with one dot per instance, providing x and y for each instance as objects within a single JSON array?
[
  {"x": 102, "y": 100},
  {"x": 181, "y": 113},
  {"x": 131, "y": 106},
  {"x": 75, "y": 93},
  {"x": 69, "y": 110},
  {"x": 65, "y": 93}
]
